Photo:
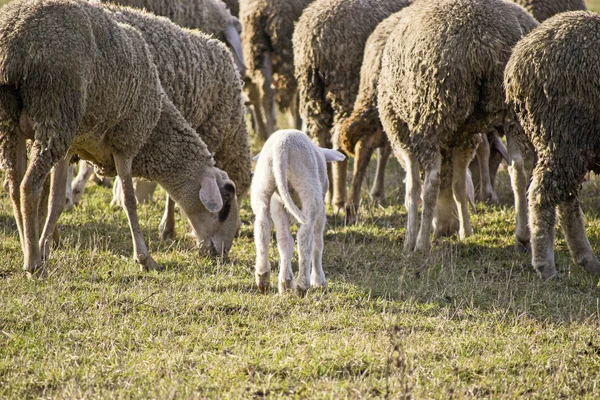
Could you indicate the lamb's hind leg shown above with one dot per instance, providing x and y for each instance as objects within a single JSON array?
[
  {"x": 317, "y": 277},
  {"x": 262, "y": 237},
  {"x": 573, "y": 225},
  {"x": 140, "y": 250},
  {"x": 285, "y": 244},
  {"x": 460, "y": 162},
  {"x": 305, "y": 252},
  {"x": 378, "y": 190}
]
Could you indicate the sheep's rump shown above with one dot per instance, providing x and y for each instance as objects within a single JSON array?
[
  {"x": 553, "y": 81},
  {"x": 544, "y": 9}
]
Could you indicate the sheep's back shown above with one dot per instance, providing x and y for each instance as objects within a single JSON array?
[{"x": 544, "y": 9}]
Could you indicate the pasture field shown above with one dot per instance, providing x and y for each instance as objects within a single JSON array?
[{"x": 469, "y": 320}]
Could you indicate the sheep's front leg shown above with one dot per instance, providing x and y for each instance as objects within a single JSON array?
[
  {"x": 262, "y": 236},
  {"x": 430, "y": 194},
  {"x": 460, "y": 162},
  {"x": 305, "y": 251},
  {"x": 542, "y": 218},
  {"x": 378, "y": 190},
  {"x": 412, "y": 199},
  {"x": 573, "y": 225},
  {"x": 486, "y": 190},
  {"x": 167, "y": 224},
  {"x": 317, "y": 276},
  {"x": 69, "y": 189},
  {"x": 140, "y": 250},
  {"x": 57, "y": 195},
  {"x": 285, "y": 244},
  {"x": 518, "y": 181}
]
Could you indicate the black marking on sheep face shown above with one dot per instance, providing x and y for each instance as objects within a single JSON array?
[{"x": 227, "y": 193}]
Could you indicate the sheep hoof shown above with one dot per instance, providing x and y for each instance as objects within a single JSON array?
[
  {"x": 301, "y": 291},
  {"x": 35, "y": 270},
  {"x": 165, "y": 232},
  {"x": 263, "y": 281},
  {"x": 147, "y": 263},
  {"x": 351, "y": 214},
  {"x": 523, "y": 246},
  {"x": 591, "y": 265},
  {"x": 286, "y": 286},
  {"x": 377, "y": 199},
  {"x": 547, "y": 272}
]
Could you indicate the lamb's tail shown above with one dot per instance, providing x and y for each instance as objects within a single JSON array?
[{"x": 280, "y": 164}]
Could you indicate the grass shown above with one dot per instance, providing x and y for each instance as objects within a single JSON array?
[{"x": 471, "y": 319}]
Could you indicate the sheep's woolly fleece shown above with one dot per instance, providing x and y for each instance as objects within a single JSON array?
[
  {"x": 199, "y": 76},
  {"x": 329, "y": 42},
  {"x": 442, "y": 77},
  {"x": 268, "y": 26},
  {"x": 544, "y": 9},
  {"x": 553, "y": 81}
]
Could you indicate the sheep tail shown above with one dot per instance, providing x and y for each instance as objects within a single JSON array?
[{"x": 280, "y": 166}]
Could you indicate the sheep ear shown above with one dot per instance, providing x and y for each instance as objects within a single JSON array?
[
  {"x": 332, "y": 155},
  {"x": 232, "y": 37},
  {"x": 255, "y": 158},
  {"x": 210, "y": 195}
]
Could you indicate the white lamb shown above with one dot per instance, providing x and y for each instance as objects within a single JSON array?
[{"x": 290, "y": 162}]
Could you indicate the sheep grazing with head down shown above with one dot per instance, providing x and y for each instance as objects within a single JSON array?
[
  {"x": 544, "y": 9},
  {"x": 440, "y": 85},
  {"x": 74, "y": 80},
  {"x": 289, "y": 160},
  {"x": 268, "y": 26},
  {"x": 552, "y": 79},
  {"x": 329, "y": 43}
]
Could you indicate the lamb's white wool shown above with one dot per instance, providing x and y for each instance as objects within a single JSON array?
[{"x": 290, "y": 161}]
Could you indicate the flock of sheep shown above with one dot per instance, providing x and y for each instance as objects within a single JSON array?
[{"x": 158, "y": 94}]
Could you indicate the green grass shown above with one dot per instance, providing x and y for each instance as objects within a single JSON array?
[{"x": 471, "y": 319}]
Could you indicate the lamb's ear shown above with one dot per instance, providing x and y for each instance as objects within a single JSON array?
[
  {"x": 232, "y": 37},
  {"x": 332, "y": 155},
  {"x": 210, "y": 195},
  {"x": 255, "y": 158}
]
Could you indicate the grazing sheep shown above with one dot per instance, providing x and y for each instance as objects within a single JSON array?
[
  {"x": 209, "y": 16},
  {"x": 544, "y": 9},
  {"x": 439, "y": 86},
  {"x": 73, "y": 80},
  {"x": 206, "y": 90},
  {"x": 289, "y": 160},
  {"x": 552, "y": 81},
  {"x": 268, "y": 26},
  {"x": 329, "y": 42}
]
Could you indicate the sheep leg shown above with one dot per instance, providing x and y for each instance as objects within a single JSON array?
[
  {"x": 43, "y": 206},
  {"x": 412, "y": 199},
  {"x": 430, "y": 194},
  {"x": 260, "y": 126},
  {"x": 144, "y": 191},
  {"x": 285, "y": 245},
  {"x": 140, "y": 250},
  {"x": 69, "y": 189},
  {"x": 378, "y": 190},
  {"x": 460, "y": 162},
  {"x": 83, "y": 175},
  {"x": 14, "y": 152},
  {"x": 486, "y": 190},
  {"x": 305, "y": 251},
  {"x": 317, "y": 277},
  {"x": 295, "y": 118},
  {"x": 262, "y": 236},
  {"x": 542, "y": 218},
  {"x": 573, "y": 225},
  {"x": 167, "y": 224},
  {"x": 363, "y": 152},
  {"x": 117, "y": 200},
  {"x": 518, "y": 181},
  {"x": 268, "y": 93}
]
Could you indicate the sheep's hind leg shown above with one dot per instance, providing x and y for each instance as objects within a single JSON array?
[
  {"x": 430, "y": 194},
  {"x": 317, "y": 277},
  {"x": 413, "y": 196},
  {"x": 285, "y": 244},
  {"x": 364, "y": 150},
  {"x": 262, "y": 237},
  {"x": 377, "y": 194},
  {"x": 486, "y": 190},
  {"x": 140, "y": 250},
  {"x": 56, "y": 197},
  {"x": 573, "y": 225},
  {"x": 167, "y": 224},
  {"x": 460, "y": 163},
  {"x": 542, "y": 217},
  {"x": 518, "y": 181},
  {"x": 69, "y": 189},
  {"x": 305, "y": 251},
  {"x": 83, "y": 175},
  {"x": 15, "y": 155}
]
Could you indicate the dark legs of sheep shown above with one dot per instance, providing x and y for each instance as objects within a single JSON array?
[
  {"x": 167, "y": 224},
  {"x": 573, "y": 225},
  {"x": 260, "y": 127},
  {"x": 518, "y": 181},
  {"x": 140, "y": 250},
  {"x": 268, "y": 94},
  {"x": 542, "y": 218},
  {"x": 378, "y": 190},
  {"x": 362, "y": 155},
  {"x": 58, "y": 182},
  {"x": 295, "y": 118},
  {"x": 430, "y": 194},
  {"x": 486, "y": 190}
]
